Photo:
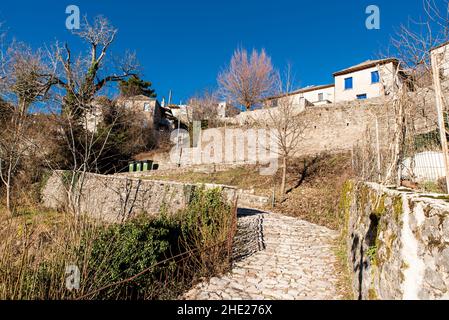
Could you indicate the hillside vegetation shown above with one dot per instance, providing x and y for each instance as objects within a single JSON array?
[
  {"x": 143, "y": 258},
  {"x": 314, "y": 185}
]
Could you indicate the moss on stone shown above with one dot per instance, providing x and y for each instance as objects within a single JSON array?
[
  {"x": 371, "y": 253},
  {"x": 345, "y": 204},
  {"x": 363, "y": 193},
  {"x": 379, "y": 208},
  {"x": 397, "y": 208},
  {"x": 389, "y": 246},
  {"x": 372, "y": 295}
]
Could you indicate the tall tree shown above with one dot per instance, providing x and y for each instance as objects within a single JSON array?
[
  {"x": 248, "y": 79},
  {"x": 135, "y": 86},
  {"x": 82, "y": 80},
  {"x": 286, "y": 123},
  {"x": 26, "y": 79}
]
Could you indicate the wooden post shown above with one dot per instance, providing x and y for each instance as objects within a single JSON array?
[{"x": 439, "y": 106}]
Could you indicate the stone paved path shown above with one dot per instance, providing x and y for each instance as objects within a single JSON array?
[{"x": 297, "y": 263}]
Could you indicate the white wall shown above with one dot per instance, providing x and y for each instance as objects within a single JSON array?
[
  {"x": 362, "y": 83},
  {"x": 312, "y": 96}
]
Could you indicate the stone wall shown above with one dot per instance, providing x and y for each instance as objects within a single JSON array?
[
  {"x": 328, "y": 128},
  {"x": 249, "y": 237},
  {"x": 115, "y": 198},
  {"x": 397, "y": 242}
]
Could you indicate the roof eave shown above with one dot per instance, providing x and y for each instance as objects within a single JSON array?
[{"x": 367, "y": 66}]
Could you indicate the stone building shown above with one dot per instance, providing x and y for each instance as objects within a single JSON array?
[{"x": 149, "y": 107}]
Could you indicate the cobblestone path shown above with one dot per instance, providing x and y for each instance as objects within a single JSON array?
[{"x": 295, "y": 262}]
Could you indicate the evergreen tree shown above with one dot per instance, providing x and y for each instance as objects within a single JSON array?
[{"x": 134, "y": 86}]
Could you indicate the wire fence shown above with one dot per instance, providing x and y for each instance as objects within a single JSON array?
[{"x": 402, "y": 144}]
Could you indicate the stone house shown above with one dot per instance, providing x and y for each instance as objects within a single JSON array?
[{"x": 149, "y": 107}]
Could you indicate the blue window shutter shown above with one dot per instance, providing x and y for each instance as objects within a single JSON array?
[
  {"x": 375, "y": 77},
  {"x": 348, "y": 83},
  {"x": 362, "y": 96}
]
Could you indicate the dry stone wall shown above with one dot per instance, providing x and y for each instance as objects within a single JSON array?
[
  {"x": 115, "y": 198},
  {"x": 398, "y": 242}
]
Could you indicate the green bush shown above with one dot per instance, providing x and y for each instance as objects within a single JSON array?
[
  {"x": 122, "y": 251},
  {"x": 207, "y": 224},
  {"x": 142, "y": 258}
]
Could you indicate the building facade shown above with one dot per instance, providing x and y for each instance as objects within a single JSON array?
[
  {"x": 370, "y": 79},
  {"x": 148, "y": 107},
  {"x": 316, "y": 95}
]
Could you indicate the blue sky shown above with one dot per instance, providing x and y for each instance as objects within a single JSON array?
[{"x": 182, "y": 45}]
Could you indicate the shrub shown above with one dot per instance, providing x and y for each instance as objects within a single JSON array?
[
  {"x": 122, "y": 251},
  {"x": 142, "y": 258},
  {"x": 208, "y": 224}
]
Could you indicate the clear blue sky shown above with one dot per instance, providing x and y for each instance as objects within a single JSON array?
[{"x": 183, "y": 44}]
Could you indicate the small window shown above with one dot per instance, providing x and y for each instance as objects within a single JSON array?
[
  {"x": 361, "y": 96},
  {"x": 375, "y": 77},
  {"x": 146, "y": 107},
  {"x": 320, "y": 96},
  {"x": 348, "y": 83}
]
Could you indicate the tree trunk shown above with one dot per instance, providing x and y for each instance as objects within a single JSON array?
[
  {"x": 284, "y": 176},
  {"x": 8, "y": 198},
  {"x": 8, "y": 188}
]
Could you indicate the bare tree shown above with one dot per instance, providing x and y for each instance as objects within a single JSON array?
[
  {"x": 203, "y": 107},
  {"x": 82, "y": 79},
  {"x": 248, "y": 79},
  {"x": 26, "y": 79},
  {"x": 286, "y": 122},
  {"x": 412, "y": 44}
]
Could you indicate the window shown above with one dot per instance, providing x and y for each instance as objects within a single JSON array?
[
  {"x": 375, "y": 77},
  {"x": 320, "y": 96},
  {"x": 348, "y": 83},
  {"x": 146, "y": 107},
  {"x": 362, "y": 96}
]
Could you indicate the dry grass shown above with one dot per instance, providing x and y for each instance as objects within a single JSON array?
[
  {"x": 245, "y": 177},
  {"x": 37, "y": 245},
  {"x": 143, "y": 258},
  {"x": 314, "y": 185},
  {"x": 317, "y": 185}
]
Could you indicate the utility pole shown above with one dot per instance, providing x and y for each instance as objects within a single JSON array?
[{"x": 440, "y": 112}]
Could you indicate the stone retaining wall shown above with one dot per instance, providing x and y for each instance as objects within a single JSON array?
[
  {"x": 115, "y": 198},
  {"x": 249, "y": 237},
  {"x": 397, "y": 242}
]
